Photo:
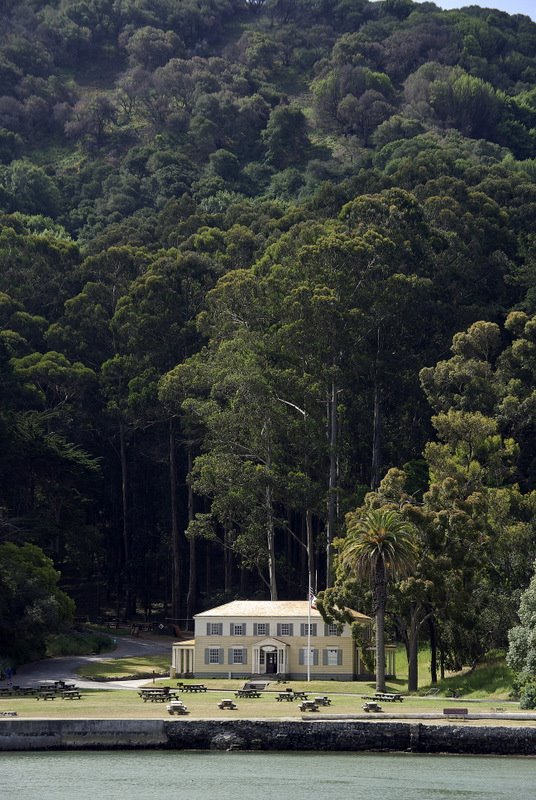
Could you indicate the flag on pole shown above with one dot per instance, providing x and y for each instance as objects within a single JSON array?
[{"x": 312, "y": 598}]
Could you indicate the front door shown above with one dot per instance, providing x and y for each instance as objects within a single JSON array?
[{"x": 271, "y": 663}]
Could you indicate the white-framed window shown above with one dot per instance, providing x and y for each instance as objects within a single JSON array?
[
  {"x": 286, "y": 629},
  {"x": 262, "y": 629},
  {"x": 306, "y": 629},
  {"x": 332, "y": 656},
  {"x": 238, "y": 628},
  {"x": 214, "y": 628},
  {"x": 308, "y": 656},
  {"x": 262, "y": 658},
  {"x": 237, "y": 655},
  {"x": 214, "y": 655},
  {"x": 332, "y": 629}
]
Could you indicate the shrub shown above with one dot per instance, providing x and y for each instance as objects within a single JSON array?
[
  {"x": 78, "y": 644},
  {"x": 527, "y": 698}
]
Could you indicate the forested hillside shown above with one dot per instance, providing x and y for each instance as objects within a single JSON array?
[{"x": 258, "y": 259}]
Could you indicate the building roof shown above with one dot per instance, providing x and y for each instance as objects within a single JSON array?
[{"x": 271, "y": 608}]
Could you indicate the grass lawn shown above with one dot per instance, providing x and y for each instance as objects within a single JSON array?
[
  {"x": 487, "y": 686},
  {"x": 346, "y": 698},
  {"x": 124, "y": 668},
  {"x": 126, "y": 704}
]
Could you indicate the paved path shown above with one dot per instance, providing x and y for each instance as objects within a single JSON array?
[{"x": 64, "y": 668}]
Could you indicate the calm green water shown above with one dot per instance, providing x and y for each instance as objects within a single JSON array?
[{"x": 147, "y": 775}]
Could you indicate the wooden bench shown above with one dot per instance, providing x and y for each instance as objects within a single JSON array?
[
  {"x": 8, "y": 713},
  {"x": 455, "y": 712},
  {"x": 247, "y": 693},
  {"x": 194, "y": 687},
  {"x": 227, "y": 703}
]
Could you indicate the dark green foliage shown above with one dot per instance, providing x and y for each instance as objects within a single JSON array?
[
  {"x": 31, "y": 604},
  {"x": 527, "y": 698},
  {"x": 231, "y": 236}
]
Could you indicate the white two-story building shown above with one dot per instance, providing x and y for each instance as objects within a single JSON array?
[{"x": 283, "y": 638}]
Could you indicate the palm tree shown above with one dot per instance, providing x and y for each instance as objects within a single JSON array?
[{"x": 379, "y": 547}]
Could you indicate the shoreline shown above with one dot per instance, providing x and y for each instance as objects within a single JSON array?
[{"x": 353, "y": 735}]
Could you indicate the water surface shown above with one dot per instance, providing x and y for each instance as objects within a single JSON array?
[{"x": 158, "y": 775}]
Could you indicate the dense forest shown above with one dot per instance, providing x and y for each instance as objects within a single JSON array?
[{"x": 262, "y": 263}]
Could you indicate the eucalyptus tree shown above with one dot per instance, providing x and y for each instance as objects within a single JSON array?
[
  {"x": 155, "y": 323},
  {"x": 483, "y": 395}
]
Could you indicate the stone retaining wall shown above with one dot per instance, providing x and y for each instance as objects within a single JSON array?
[{"x": 19, "y": 734}]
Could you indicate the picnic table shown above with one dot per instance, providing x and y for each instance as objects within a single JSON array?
[
  {"x": 323, "y": 701},
  {"x": 387, "y": 697},
  {"x": 193, "y": 687},
  {"x": 157, "y": 695},
  {"x": 308, "y": 705},
  {"x": 54, "y": 686},
  {"x": 227, "y": 703},
  {"x": 47, "y": 695},
  {"x": 371, "y": 706},
  {"x": 17, "y": 691},
  {"x": 288, "y": 696},
  {"x": 177, "y": 707},
  {"x": 71, "y": 694},
  {"x": 247, "y": 693}
]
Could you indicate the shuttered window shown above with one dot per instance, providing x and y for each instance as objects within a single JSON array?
[
  {"x": 332, "y": 657},
  {"x": 308, "y": 656},
  {"x": 237, "y": 655},
  {"x": 261, "y": 629},
  {"x": 214, "y": 628},
  {"x": 238, "y": 629},
  {"x": 304, "y": 629},
  {"x": 331, "y": 629},
  {"x": 213, "y": 655},
  {"x": 285, "y": 629}
]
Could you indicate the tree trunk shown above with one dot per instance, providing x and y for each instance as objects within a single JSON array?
[
  {"x": 228, "y": 562},
  {"x": 175, "y": 549},
  {"x": 433, "y": 650},
  {"x": 270, "y": 530},
  {"x": 375, "y": 474},
  {"x": 270, "y": 543},
  {"x": 413, "y": 649},
  {"x": 332, "y": 483},
  {"x": 380, "y": 600},
  {"x": 192, "y": 571},
  {"x": 380, "y": 649},
  {"x": 129, "y": 599}
]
